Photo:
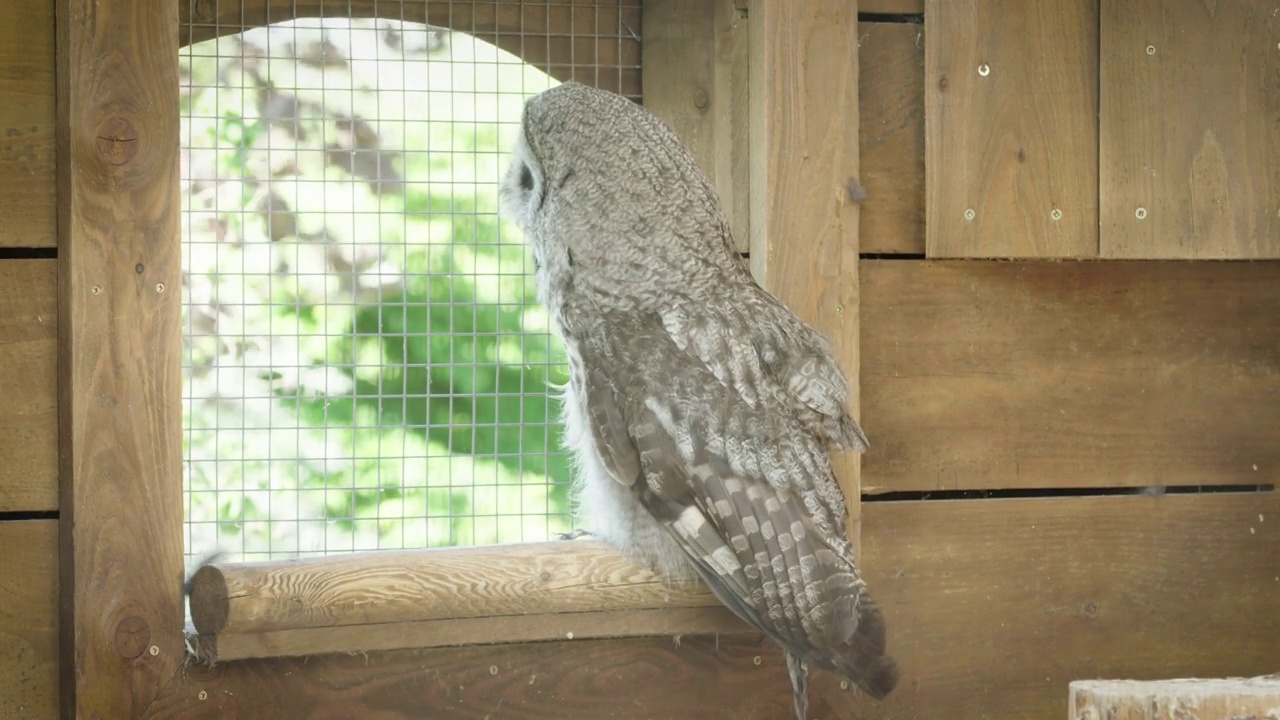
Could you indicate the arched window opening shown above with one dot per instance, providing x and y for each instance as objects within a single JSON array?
[{"x": 365, "y": 365}]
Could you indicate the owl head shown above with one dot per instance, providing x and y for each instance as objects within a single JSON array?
[{"x": 599, "y": 182}]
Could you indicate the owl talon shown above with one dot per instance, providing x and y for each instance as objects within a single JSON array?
[{"x": 573, "y": 534}]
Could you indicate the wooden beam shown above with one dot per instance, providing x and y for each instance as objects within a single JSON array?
[
  {"x": 1011, "y": 129},
  {"x": 28, "y": 385},
  {"x": 731, "y": 106},
  {"x": 1188, "y": 130},
  {"x": 995, "y": 607},
  {"x": 119, "y": 354},
  {"x": 891, "y": 7},
  {"x": 429, "y": 598},
  {"x": 1235, "y": 698},
  {"x": 27, "y": 158},
  {"x": 804, "y": 158},
  {"x": 595, "y": 42},
  {"x": 891, "y": 109},
  {"x": 398, "y": 635},
  {"x": 981, "y": 375},
  {"x": 731, "y": 677},
  {"x": 29, "y": 618},
  {"x": 399, "y": 586}
]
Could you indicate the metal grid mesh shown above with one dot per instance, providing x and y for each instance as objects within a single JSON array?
[{"x": 365, "y": 363}]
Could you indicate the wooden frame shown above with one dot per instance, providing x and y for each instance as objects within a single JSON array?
[{"x": 123, "y": 639}]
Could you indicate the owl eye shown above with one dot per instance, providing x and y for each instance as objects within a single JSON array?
[{"x": 526, "y": 178}]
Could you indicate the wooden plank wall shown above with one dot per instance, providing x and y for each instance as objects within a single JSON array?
[
  {"x": 1011, "y": 128},
  {"x": 1008, "y": 377},
  {"x": 28, "y": 364},
  {"x": 1190, "y": 153},
  {"x": 1069, "y": 395}
]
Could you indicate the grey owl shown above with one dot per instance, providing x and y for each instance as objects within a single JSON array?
[{"x": 699, "y": 409}]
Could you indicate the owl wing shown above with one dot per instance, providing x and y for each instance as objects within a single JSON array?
[
  {"x": 765, "y": 357},
  {"x": 753, "y": 544}
]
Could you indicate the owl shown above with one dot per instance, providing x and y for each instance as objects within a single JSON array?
[{"x": 699, "y": 411}]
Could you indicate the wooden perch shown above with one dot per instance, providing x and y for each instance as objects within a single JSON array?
[
  {"x": 430, "y": 598},
  {"x": 1217, "y": 699}
]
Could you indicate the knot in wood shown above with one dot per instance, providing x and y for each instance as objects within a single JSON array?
[
  {"x": 117, "y": 141},
  {"x": 133, "y": 637}
]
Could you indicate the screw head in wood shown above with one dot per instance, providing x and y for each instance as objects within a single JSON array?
[
  {"x": 1140, "y": 213},
  {"x": 1151, "y": 49},
  {"x": 159, "y": 287},
  {"x": 755, "y": 660},
  {"x": 984, "y": 70},
  {"x": 1056, "y": 214},
  {"x": 96, "y": 290},
  {"x": 493, "y": 669},
  {"x": 969, "y": 214},
  {"x": 202, "y": 695},
  {"x": 154, "y": 650}
]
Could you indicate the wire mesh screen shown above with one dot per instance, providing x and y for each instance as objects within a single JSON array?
[{"x": 366, "y": 366}]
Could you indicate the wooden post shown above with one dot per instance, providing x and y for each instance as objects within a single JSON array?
[
  {"x": 430, "y": 598},
  {"x": 803, "y": 59},
  {"x": 1192, "y": 699},
  {"x": 119, "y": 354}
]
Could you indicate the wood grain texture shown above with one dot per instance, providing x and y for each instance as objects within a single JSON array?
[
  {"x": 709, "y": 678},
  {"x": 1245, "y": 699},
  {"x": 29, "y": 619},
  {"x": 414, "y": 585},
  {"x": 731, "y": 108},
  {"x": 804, "y": 156},
  {"x": 27, "y": 158},
  {"x": 981, "y": 375},
  {"x": 891, "y": 107},
  {"x": 1018, "y": 143},
  {"x": 595, "y": 42},
  {"x": 119, "y": 355},
  {"x": 892, "y": 7},
  {"x": 28, "y": 385},
  {"x": 397, "y": 635},
  {"x": 1190, "y": 108},
  {"x": 994, "y": 607}
]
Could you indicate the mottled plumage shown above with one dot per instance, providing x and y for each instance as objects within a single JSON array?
[{"x": 699, "y": 410}]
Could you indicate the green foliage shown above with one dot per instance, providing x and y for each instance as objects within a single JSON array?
[{"x": 366, "y": 367}]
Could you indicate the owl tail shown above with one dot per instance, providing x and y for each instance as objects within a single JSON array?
[
  {"x": 862, "y": 658},
  {"x": 799, "y": 685}
]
